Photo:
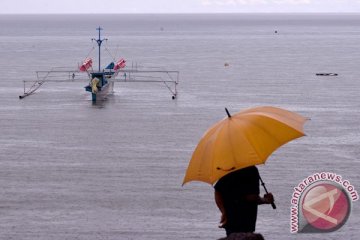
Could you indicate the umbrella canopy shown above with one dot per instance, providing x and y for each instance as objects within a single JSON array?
[{"x": 244, "y": 139}]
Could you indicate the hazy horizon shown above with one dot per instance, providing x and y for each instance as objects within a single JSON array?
[
  {"x": 189, "y": 13},
  {"x": 177, "y": 6}
]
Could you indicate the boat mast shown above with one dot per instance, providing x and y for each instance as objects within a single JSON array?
[{"x": 99, "y": 42}]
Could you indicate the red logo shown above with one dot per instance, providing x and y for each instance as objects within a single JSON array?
[{"x": 325, "y": 207}]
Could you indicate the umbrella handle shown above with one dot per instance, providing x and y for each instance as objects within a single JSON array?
[
  {"x": 273, "y": 205},
  {"x": 266, "y": 191}
]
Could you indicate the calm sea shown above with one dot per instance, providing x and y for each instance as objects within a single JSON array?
[{"x": 70, "y": 169}]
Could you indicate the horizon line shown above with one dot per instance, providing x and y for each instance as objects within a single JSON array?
[{"x": 173, "y": 13}]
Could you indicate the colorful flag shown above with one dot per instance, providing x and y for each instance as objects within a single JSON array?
[
  {"x": 120, "y": 64},
  {"x": 86, "y": 65}
]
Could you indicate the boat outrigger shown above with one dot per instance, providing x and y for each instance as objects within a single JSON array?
[{"x": 101, "y": 81}]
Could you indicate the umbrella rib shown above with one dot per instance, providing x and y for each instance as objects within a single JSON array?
[
  {"x": 280, "y": 122},
  {"x": 282, "y": 113},
  {"x": 249, "y": 143},
  {"x": 232, "y": 146},
  {"x": 295, "y": 119},
  {"x": 216, "y": 132},
  {"x": 265, "y": 130}
]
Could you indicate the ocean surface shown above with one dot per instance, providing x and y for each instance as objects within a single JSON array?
[{"x": 70, "y": 169}]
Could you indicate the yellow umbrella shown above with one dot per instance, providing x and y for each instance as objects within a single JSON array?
[{"x": 244, "y": 139}]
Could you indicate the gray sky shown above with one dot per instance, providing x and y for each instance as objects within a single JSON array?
[{"x": 176, "y": 6}]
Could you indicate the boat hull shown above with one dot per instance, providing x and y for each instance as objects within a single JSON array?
[{"x": 102, "y": 93}]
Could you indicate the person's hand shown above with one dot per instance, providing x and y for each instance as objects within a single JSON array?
[
  {"x": 268, "y": 198},
  {"x": 223, "y": 221}
]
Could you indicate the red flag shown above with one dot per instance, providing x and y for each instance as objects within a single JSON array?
[
  {"x": 120, "y": 64},
  {"x": 86, "y": 65}
]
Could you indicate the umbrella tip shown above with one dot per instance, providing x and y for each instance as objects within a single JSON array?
[{"x": 227, "y": 111}]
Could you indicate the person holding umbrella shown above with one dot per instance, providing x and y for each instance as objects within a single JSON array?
[
  {"x": 226, "y": 156},
  {"x": 237, "y": 197}
]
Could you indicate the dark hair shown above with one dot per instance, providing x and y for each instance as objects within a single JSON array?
[{"x": 244, "y": 236}]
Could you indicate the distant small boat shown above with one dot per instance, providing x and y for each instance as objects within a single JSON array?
[
  {"x": 101, "y": 81},
  {"x": 326, "y": 74}
]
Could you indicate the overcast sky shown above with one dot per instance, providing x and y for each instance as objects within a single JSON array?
[{"x": 176, "y": 6}]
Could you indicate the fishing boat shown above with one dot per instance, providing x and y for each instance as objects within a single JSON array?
[{"x": 101, "y": 81}]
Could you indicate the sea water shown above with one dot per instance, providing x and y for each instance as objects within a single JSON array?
[{"x": 70, "y": 169}]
